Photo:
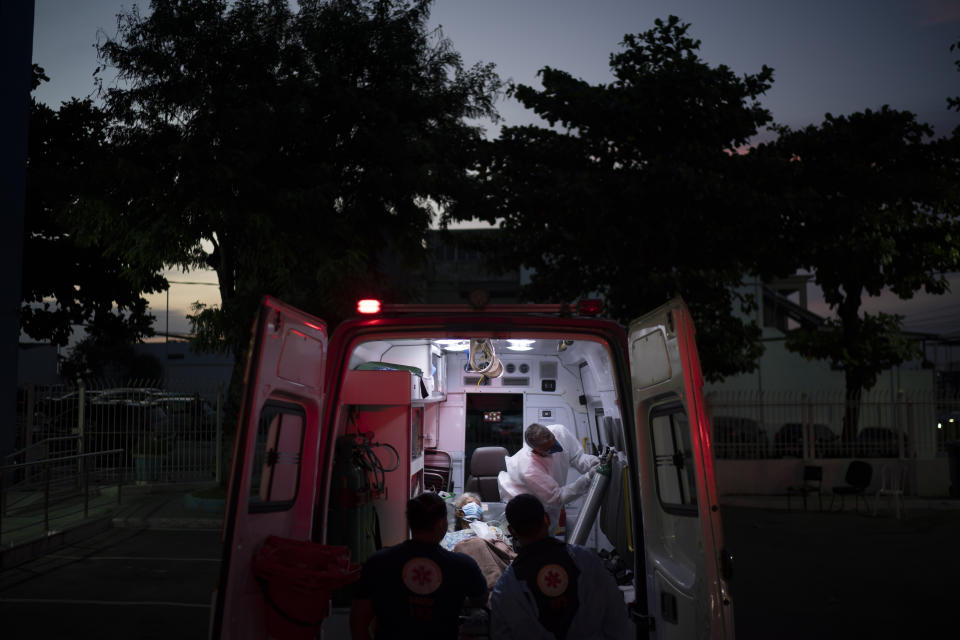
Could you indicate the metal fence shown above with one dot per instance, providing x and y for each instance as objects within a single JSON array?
[
  {"x": 43, "y": 492},
  {"x": 752, "y": 424},
  {"x": 165, "y": 434}
]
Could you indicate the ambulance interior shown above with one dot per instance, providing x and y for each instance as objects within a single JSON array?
[{"x": 441, "y": 414}]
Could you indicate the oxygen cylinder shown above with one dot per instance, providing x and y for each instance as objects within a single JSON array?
[
  {"x": 352, "y": 519},
  {"x": 591, "y": 502}
]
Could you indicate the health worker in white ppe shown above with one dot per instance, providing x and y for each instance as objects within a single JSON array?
[{"x": 540, "y": 468}]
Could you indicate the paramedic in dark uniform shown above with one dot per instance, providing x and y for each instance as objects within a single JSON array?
[
  {"x": 553, "y": 590},
  {"x": 417, "y": 588}
]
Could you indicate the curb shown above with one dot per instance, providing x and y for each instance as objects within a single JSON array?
[
  {"x": 210, "y": 505},
  {"x": 207, "y": 524},
  {"x": 27, "y": 551}
]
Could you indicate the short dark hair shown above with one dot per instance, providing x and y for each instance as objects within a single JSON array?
[
  {"x": 537, "y": 436},
  {"x": 425, "y": 510},
  {"x": 525, "y": 515}
]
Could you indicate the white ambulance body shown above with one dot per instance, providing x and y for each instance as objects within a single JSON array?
[{"x": 338, "y": 431}]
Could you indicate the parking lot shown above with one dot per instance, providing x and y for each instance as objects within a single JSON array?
[
  {"x": 797, "y": 575},
  {"x": 844, "y": 575},
  {"x": 123, "y": 583}
]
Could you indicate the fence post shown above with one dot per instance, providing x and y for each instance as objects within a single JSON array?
[
  {"x": 31, "y": 408},
  {"x": 46, "y": 498},
  {"x": 86, "y": 488},
  {"x": 81, "y": 397},
  {"x": 218, "y": 447},
  {"x": 900, "y": 448},
  {"x": 805, "y": 444}
]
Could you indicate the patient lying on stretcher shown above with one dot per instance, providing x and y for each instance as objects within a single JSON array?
[
  {"x": 482, "y": 541},
  {"x": 469, "y": 522}
]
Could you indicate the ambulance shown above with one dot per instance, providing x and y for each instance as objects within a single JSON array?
[{"x": 338, "y": 430}]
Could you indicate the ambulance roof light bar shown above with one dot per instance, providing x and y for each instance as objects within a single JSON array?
[
  {"x": 368, "y": 306},
  {"x": 585, "y": 307}
]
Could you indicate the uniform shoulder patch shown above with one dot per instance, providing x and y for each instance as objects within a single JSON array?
[
  {"x": 422, "y": 575},
  {"x": 552, "y": 580}
]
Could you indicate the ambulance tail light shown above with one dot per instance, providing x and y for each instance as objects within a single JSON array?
[
  {"x": 589, "y": 307},
  {"x": 368, "y": 306}
]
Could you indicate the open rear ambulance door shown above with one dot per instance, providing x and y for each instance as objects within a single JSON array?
[
  {"x": 686, "y": 563},
  {"x": 273, "y": 478}
]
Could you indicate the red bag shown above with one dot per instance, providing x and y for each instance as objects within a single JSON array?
[{"x": 296, "y": 578}]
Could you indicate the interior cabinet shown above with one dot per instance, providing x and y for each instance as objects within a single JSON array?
[{"x": 384, "y": 405}]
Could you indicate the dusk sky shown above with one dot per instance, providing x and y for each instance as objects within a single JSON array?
[{"x": 828, "y": 56}]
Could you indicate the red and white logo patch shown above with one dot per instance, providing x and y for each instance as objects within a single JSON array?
[
  {"x": 422, "y": 576},
  {"x": 552, "y": 580}
]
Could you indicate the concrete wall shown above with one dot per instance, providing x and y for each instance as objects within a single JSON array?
[
  {"x": 38, "y": 364},
  {"x": 782, "y": 370},
  {"x": 185, "y": 370}
]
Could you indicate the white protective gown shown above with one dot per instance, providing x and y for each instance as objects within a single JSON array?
[{"x": 546, "y": 477}]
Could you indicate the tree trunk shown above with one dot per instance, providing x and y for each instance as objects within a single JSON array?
[
  {"x": 849, "y": 313},
  {"x": 231, "y": 417},
  {"x": 851, "y": 413}
]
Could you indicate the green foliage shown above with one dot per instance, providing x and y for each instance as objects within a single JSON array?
[
  {"x": 637, "y": 191},
  {"x": 293, "y": 153},
  {"x": 873, "y": 209},
  {"x": 954, "y": 102},
  {"x": 110, "y": 356},
  {"x": 70, "y": 278},
  {"x": 879, "y": 344}
]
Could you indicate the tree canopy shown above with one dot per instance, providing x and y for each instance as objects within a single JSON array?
[
  {"x": 70, "y": 278},
  {"x": 294, "y": 153},
  {"x": 874, "y": 209},
  {"x": 637, "y": 190}
]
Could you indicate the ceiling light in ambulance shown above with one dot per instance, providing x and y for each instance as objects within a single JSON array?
[
  {"x": 520, "y": 345},
  {"x": 368, "y": 305},
  {"x": 453, "y": 345}
]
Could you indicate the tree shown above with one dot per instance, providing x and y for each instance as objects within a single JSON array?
[
  {"x": 637, "y": 191},
  {"x": 293, "y": 153},
  {"x": 877, "y": 211},
  {"x": 70, "y": 279}
]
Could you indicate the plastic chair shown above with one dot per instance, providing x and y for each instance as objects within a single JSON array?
[
  {"x": 812, "y": 483},
  {"x": 859, "y": 474},
  {"x": 893, "y": 478}
]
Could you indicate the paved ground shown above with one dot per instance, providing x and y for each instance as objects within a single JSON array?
[
  {"x": 798, "y": 574},
  {"x": 122, "y": 583},
  {"x": 843, "y": 575}
]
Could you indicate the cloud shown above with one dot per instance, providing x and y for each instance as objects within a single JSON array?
[{"x": 934, "y": 12}]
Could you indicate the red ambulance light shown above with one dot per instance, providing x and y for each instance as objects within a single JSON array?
[
  {"x": 368, "y": 305},
  {"x": 589, "y": 307}
]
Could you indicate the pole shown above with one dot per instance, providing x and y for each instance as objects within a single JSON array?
[
  {"x": 46, "y": 498},
  {"x": 16, "y": 49},
  {"x": 81, "y": 399},
  {"x": 219, "y": 431}
]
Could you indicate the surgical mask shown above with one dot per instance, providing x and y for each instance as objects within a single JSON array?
[
  {"x": 556, "y": 448},
  {"x": 472, "y": 511}
]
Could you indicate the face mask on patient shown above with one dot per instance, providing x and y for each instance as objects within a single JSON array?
[{"x": 472, "y": 511}]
